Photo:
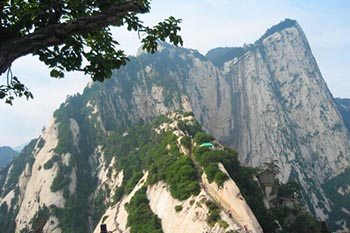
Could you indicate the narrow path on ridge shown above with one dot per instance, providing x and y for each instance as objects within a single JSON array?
[{"x": 212, "y": 196}]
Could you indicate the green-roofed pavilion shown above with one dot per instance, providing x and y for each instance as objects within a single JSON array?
[{"x": 207, "y": 144}]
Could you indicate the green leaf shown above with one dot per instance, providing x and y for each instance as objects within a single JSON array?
[{"x": 56, "y": 74}]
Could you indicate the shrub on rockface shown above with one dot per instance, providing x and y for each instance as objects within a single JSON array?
[{"x": 141, "y": 218}]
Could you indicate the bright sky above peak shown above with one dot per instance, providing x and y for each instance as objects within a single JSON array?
[{"x": 206, "y": 24}]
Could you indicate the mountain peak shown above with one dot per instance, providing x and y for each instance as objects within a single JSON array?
[
  {"x": 7, "y": 154},
  {"x": 287, "y": 23},
  {"x": 221, "y": 55}
]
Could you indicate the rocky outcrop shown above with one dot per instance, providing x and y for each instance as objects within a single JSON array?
[
  {"x": 284, "y": 108},
  {"x": 32, "y": 189},
  {"x": 192, "y": 215}
]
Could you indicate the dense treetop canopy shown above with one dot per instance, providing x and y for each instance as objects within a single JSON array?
[{"x": 73, "y": 35}]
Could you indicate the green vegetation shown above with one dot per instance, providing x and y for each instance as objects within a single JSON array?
[
  {"x": 190, "y": 128},
  {"x": 141, "y": 219},
  {"x": 182, "y": 179},
  {"x": 282, "y": 25},
  {"x": 87, "y": 46},
  {"x": 62, "y": 179},
  {"x": 100, "y": 204},
  {"x": 288, "y": 190},
  {"x": 50, "y": 162},
  {"x": 139, "y": 148},
  {"x": 209, "y": 160},
  {"x": 143, "y": 149},
  {"x": 202, "y": 137},
  {"x": 75, "y": 211},
  {"x": 41, "y": 143},
  {"x": 214, "y": 213},
  {"x": 219, "y": 56},
  {"x": 223, "y": 224},
  {"x": 7, "y": 218},
  {"x": 186, "y": 142},
  {"x": 118, "y": 194},
  {"x": 69, "y": 218},
  {"x": 340, "y": 201},
  {"x": 178, "y": 208},
  {"x": 343, "y": 106},
  {"x": 40, "y": 218},
  {"x": 296, "y": 220}
]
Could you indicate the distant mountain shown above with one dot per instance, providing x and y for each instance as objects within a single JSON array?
[
  {"x": 7, "y": 154},
  {"x": 19, "y": 148}
]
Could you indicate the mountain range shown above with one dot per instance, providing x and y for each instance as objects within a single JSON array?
[
  {"x": 101, "y": 156},
  {"x": 7, "y": 154}
]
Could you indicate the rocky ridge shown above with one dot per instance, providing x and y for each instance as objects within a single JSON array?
[{"x": 39, "y": 206}]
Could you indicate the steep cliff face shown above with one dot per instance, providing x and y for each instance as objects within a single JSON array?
[
  {"x": 344, "y": 109},
  {"x": 172, "y": 79},
  {"x": 287, "y": 109},
  {"x": 283, "y": 110}
]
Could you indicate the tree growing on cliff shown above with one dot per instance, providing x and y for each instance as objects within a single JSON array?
[{"x": 73, "y": 35}]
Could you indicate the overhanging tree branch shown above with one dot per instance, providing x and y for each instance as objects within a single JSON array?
[
  {"x": 56, "y": 33},
  {"x": 64, "y": 33}
]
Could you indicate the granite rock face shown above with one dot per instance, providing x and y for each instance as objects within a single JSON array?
[
  {"x": 282, "y": 110},
  {"x": 267, "y": 100},
  {"x": 344, "y": 109}
]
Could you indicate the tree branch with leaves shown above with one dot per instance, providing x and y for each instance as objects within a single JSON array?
[{"x": 73, "y": 35}]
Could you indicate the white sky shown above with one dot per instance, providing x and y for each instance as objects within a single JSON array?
[{"x": 206, "y": 24}]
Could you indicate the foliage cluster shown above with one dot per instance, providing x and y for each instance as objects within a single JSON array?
[
  {"x": 141, "y": 218},
  {"x": 214, "y": 213},
  {"x": 41, "y": 143},
  {"x": 282, "y": 25},
  {"x": 190, "y": 128},
  {"x": 75, "y": 211},
  {"x": 100, "y": 204},
  {"x": 62, "y": 179},
  {"x": 343, "y": 106},
  {"x": 209, "y": 160},
  {"x": 143, "y": 149},
  {"x": 7, "y": 218},
  {"x": 202, "y": 137},
  {"x": 340, "y": 201},
  {"x": 65, "y": 33},
  {"x": 186, "y": 142},
  {"x": 178, "y": 208},
  {"x": 296, "y": 220},
  {"x": 289, "y": 190},
  {"x": 50, "y": 162},
  {"x": 221, "y": 55},
  {"x": 40, "y": 218}
]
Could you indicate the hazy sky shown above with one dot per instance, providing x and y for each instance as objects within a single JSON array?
[{"x": 206, "y": 24}]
